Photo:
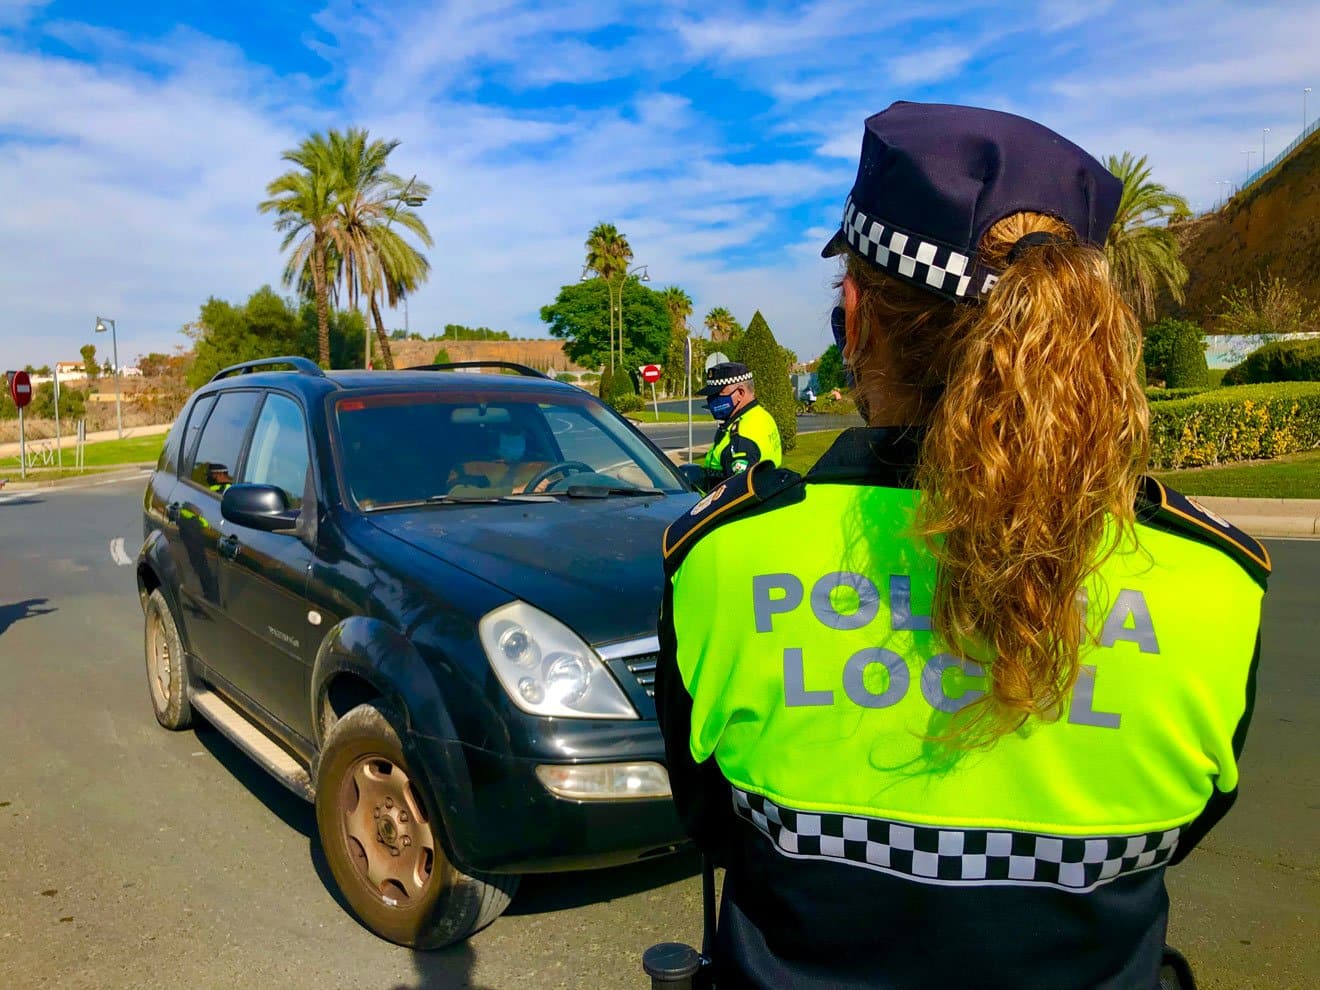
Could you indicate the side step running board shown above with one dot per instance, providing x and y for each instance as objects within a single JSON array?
[{"x": 253, "y": 742}]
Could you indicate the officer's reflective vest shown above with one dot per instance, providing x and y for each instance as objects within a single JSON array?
[
  {"x": 820, "y": 685},
  {"x": 748, "y": 437},
  {"x": 822, "y": 693}
]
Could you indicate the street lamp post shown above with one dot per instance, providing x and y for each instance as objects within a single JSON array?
[
  {"x": 1248, "y": 152},
  {"x": 1305, "y": 122},
  {"x": 1264, "y": 131},
  {"x": 646, "y": 277},
  {"x": 114, "y": 346}
]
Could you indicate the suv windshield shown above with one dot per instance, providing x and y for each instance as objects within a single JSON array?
[{"x": 410, "y": 446}]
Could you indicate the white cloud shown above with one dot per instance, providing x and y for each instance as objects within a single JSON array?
[
  {"x": 931, "y": 65},
  {"x": 141, "y": 161}
]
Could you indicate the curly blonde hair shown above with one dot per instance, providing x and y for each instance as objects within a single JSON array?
[{"x": 1036, "y": 437}]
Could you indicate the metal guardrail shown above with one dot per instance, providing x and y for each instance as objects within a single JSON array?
[{"x": 1278, "y": 159}]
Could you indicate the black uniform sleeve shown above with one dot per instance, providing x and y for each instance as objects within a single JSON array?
[
  {"x": 1221, "y": 801},
  {"x": 741, "y": 450},
  {"x": 701, "y": 794}
]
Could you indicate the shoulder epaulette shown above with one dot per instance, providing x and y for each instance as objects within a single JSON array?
[
  {"x": 733, "y": 498},
  {"x": 1163, "y": 507}
]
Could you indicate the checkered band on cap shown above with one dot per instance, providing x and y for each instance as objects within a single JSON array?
[
  {"x": 935, "y": 267},
  {"x": 956, "y": 857},
  {"x": 734, "y": 380}
]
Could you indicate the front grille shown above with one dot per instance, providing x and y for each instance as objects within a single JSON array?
[{"x": 642, "y": 668}]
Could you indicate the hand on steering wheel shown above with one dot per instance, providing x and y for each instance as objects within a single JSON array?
[{"x": 563, "y": 467}]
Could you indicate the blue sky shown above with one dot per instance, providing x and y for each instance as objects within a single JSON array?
[{"x": 721, "y": 138}]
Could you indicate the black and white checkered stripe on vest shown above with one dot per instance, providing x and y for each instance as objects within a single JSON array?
[
  {"x": 933, "y": 266},
  {"x": 956, "y": 857}
]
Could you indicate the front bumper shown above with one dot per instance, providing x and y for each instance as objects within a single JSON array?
[{"x": 505, "y": 820}]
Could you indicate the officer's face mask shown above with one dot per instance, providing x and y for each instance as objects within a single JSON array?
[
  {"x": 839, "y": 326},
  {"x": 721, "y": 406}
]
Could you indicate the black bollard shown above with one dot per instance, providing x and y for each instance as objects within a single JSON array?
[{"x": 671, "y": 965}]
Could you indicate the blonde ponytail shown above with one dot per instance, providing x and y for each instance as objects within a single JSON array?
[{"x": 1036, "y": 435}]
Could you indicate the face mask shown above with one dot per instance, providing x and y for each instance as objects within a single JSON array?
[
  {"x": 839, "y": 326},
  {"x": 720, "y": 406}
]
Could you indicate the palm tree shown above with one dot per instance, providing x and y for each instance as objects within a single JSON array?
[
  {"x": 1142, "y": 250},
  {"x": 679, "y": 306},
  {"x": 721, "y": 324},
  {"x": 608, "y": 256},
  {"x": 302, "y": 200},
  {"x": 374, "y": 259}
]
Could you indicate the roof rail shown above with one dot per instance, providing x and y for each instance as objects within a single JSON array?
[
  {"x": 300, "y": 364},
  {"x": 522, "y": 369}
]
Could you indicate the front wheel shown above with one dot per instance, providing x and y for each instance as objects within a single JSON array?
[{"x": 381, "y": 840}]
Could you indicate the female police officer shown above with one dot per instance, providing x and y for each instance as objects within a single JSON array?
[{"x": 952, "y": 731}]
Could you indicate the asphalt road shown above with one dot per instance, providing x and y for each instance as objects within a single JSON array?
[
  {"x": 674, "y": 436},
  {"x": 136, "y": 857}
]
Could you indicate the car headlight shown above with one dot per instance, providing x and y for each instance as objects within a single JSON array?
[{"x": 546, "y": 668}]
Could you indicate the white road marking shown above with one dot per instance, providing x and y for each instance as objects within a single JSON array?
[{"x": 117, "y": 553}]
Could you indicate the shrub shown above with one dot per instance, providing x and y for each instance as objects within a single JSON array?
[
  {"x": 1215, "y": 377},
  {"x": 564, "y": 376},
  {"x": 1280, "y": 361},
  {"x": 1266, "y": 308},
  {"x": 763, "y": 355},
  {"x": 833, "y": 407},
  {"x": 1165, "y": 394},
  {"x": 441, "y": 357},
  {"x": 1235, "y": 424},
  {"x": 626, "y": 402},
  {"x": 1174, "y": 351}
]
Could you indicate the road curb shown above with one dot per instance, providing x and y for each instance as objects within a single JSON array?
[
  {"x": 82, "y": 481},
  {"x": 1267, "y": 516}
]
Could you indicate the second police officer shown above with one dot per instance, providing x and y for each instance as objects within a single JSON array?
[
  {"x": 974, "y": 682},
  {"x": 747, "y": 433}
]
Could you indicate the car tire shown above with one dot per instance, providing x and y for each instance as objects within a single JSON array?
[
  {"x": 383, "y": 844},
  {"x": 167, "y": 668}
]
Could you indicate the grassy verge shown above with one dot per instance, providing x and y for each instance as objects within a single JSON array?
[
  {"x": 809, "y": 448},
  {"x": 647, "y": 416},
  {"x": 1291, "y": 476},
  {"x": 107, "y": 453}
]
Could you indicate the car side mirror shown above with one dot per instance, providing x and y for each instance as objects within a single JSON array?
[
  {"x": 693, "y": 475},
  {"x": 261, "y": 507}
]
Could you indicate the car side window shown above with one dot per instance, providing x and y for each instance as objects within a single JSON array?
[
  {"x": 196, "y": 419},
  {"x": 278, "y": 453},
  {"x": 221, "y": 443}
]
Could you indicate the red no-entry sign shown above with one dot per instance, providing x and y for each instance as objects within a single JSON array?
[
  {"x": 20, "y": 388},
  {"x": 650, "y": 373}
]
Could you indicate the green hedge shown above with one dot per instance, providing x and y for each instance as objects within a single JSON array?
[
  {"x": 1238, "y": 423},
  {"x": 1165, "y": 394},
  {"x": 1280, "y": 361}
]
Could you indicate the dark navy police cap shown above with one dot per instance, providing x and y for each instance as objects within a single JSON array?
[
  {"x": 934, "y": 178},
  {"x": 721, "y": 376}
]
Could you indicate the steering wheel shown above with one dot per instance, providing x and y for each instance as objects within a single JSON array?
[{"x": 563, "y": 467}]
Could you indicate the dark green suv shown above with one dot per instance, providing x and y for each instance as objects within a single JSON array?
[{"x": 425, "y": 600}]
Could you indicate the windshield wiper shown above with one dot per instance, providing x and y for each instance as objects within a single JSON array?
[
  {"x": 605, "y": 491},
  {"x": 486, "y": 499}
]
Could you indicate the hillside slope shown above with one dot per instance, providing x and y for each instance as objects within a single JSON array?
[{"x": 1272, "y": 229}]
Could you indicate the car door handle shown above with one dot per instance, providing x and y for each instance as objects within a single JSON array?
[
  {"x": 172, "y": 511},
  {"x": 228, "y": 547}
]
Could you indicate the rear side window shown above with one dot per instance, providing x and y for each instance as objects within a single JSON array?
[
  {"x": 196, "y": 419},
  {"x": 278, "y": 454},
  {"x": 216, "y": 460}
]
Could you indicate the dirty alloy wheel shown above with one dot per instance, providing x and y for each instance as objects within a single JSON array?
[
  {"x": 382, "y": 842},
  {"x": 167, "y": 670}
]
